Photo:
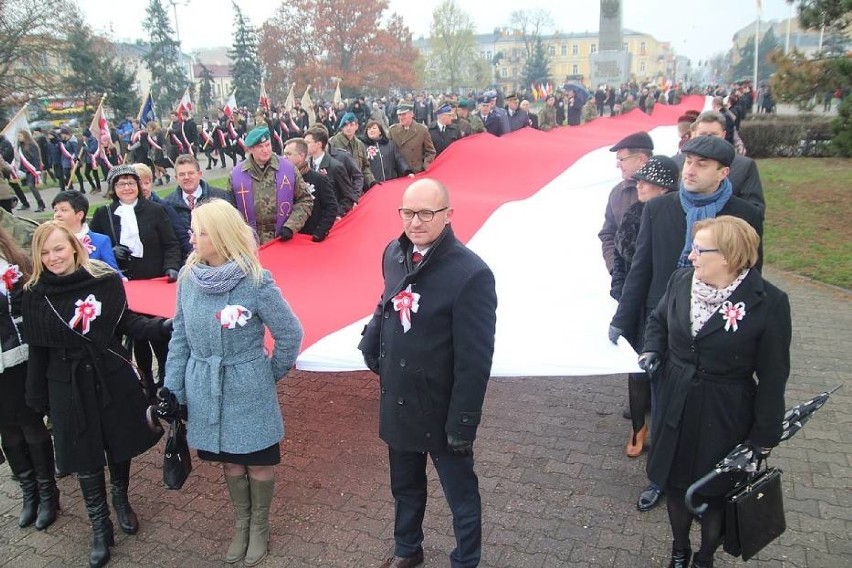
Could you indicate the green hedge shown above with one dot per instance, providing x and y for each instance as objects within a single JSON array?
[{"x": 773, "y": 136}]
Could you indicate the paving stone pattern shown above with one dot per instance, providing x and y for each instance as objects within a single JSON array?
[{"x": 557, "y": 488}]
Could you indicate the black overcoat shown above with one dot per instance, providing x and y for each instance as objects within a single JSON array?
[
  {"x": 721, "y": 387},
  {"x": 434, "y": 376}
]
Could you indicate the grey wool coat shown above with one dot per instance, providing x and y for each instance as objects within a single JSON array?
[{"x": 222, "y": 372}]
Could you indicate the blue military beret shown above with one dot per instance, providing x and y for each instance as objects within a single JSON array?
[
  {"x": 443, "y": 109},
  {"x": 256, "y": 136}
]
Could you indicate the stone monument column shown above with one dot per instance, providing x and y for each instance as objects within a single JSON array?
[{"x": 611, "y": 64}]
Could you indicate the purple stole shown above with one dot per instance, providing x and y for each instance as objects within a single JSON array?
[{"x": 285, "y": 180}]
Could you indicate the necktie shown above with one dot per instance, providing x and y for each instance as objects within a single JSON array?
[
  {"x": 315, "y": 165},
  {"x": 416, "y": 257},
  {"x": 190, "y": 200}
]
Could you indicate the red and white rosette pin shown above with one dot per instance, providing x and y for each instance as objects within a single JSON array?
[
  {"x": 10, "y": 277},
  {"x": 87, "y": 311},
  {"x": 732, "y": 313},
  {"x": 233, "y": 315},
  {"x": 406, "y": 302},
  {"x": 86, "y": 241}
]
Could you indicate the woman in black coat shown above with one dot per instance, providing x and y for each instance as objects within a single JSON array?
[
  {"x": 26, "y": 441},
  {"x": 76, "y": 312},
  {"x": 722, "y": 334},
  {"x": 386, "y": 161}
]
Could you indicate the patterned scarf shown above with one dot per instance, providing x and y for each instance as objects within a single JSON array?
[
  {"x": 217, "y": 279},
  {"x": 697, "y": 207},
  {"x": 706, "y": 300}
]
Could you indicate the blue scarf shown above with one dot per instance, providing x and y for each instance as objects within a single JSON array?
[
  {"x": 216, "y": 279},
  {"x": 699, "y": 206}
]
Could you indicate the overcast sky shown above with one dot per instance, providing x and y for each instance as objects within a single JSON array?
[{"x": 695, "y": 28}]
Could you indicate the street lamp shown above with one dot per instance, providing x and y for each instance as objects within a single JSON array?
[
  {"x": 174, "y": 4},
  {"x": 789, "y": 23}
]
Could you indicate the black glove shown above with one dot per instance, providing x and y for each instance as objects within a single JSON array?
[
  {"x": 372, "y": 363},
  {"x": 459, "y": 447},
  {"x": 171, "y": 274},
  {"x": 614, "y": 333},
  {"x": 167, "y": 326},
  {"x": 319, "y": 238},
  {"x": 649, "y": 361},
  {"x": 121, "y": 253},
  {"x": 169, "y": 408},
  {"x": 285, "y": 234}
]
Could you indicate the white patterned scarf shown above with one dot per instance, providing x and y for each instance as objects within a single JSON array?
[
  {"x": 130, "y": 229},
  {"x": 707, "y": 299}
]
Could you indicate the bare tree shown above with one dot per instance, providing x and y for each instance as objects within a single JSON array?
[{"x": 532, "y": 24}]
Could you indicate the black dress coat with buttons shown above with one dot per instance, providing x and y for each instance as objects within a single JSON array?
[
  {"x": 433, "y": 376},
  {"x": 720, "y": 388}
]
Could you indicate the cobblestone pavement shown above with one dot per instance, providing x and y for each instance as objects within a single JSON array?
[{"x": 557, "y": 489}]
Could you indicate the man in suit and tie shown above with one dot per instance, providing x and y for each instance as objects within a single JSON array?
[
  {"x": 443, "y": 132},
  {"x": 320, "y": 161}
]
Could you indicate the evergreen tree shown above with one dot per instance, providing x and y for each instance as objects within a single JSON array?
[
  {"x": 537, "y": 67},
  {"x": 744, "y": 69},
  {"x": 123, "y": 98},
  {"x": 168, "y": 80},
  {"x": 246, "y": 68},
  {"x": 205, "y": 90}
]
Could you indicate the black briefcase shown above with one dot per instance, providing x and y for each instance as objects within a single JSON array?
[{"x": 754, "y": 514}]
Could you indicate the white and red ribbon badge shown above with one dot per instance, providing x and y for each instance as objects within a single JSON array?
[
  {"x": 732, "y": 313},
  {"x": 231, "y": 316},
  {"x": 406, "y": 302},
  {"x": 10, "y": 277},
  {"x": 86, "y": 241},
  {"x": 87, "y": 311}
]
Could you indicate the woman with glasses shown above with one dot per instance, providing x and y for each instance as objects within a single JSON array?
[{"x": 721, "y": 339}]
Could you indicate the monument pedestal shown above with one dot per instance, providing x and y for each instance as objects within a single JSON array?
[{"x": 609, "y": 67}]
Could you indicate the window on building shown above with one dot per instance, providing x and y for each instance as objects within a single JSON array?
[
  {"x": 504, "y": 72},
  {"x": 575, "y": 69},
  {"x": 488, "y": 55},
  {"x": 642, "y": 48},
  {"x": 514, "y": 53},
  {"x": 642, "y": 67},
  {"x": 514, "y": 71},
  {"x": 575, "y": 49},
  {"x": 564, "y": 50},
  {"x": 594, "y": 48}
]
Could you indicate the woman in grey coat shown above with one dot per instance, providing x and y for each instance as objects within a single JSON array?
[{"x": 218, "y": 366}]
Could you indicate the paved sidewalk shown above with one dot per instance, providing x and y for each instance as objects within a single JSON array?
[{"x": 557, "y": 489}]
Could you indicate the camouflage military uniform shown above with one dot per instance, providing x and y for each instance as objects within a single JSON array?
[
  {"x": 358, "y": 152},
  {"x": 265, "y": 201},
  {"x": 20, "y": 229},
  {"x": 463, "y": 124},
  {"x": 476, "y": 124}
]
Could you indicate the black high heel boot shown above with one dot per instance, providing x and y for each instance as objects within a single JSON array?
[
  {"x": 680, "y": 557},
  {"x": 93, "y": 487},
  {"x": 119, "y": 478},
  {"x": 18, "y": 457},
  {"x": 45, "y": 470},
  {"x": 701, "y": 564}
]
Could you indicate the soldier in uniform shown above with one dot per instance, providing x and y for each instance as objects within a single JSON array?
[
  {"x": 270, "y": 194},
  {"x": 347, "y": 140},
  {"x": 462, "y": 118},
  {"x": 412, "y": 139},
  {"x": 442, "y": 131}
]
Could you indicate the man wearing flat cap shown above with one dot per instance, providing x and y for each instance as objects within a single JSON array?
[
  {"x": 665, "y": 242},
  {"x": 517, "y": 118},
  {"x": 347, "y": 141},
  {"x": 631, "y": 153},
  {"x": 412, "y": 139},
  {"x": 270, "y": 194},
  {"x": 442, "y": 131}
]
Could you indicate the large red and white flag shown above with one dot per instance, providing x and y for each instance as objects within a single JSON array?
[
  {"x": 185, "y": 104},
  {"x": 231, "y": 106},
  {"x": 534, "y": 222}
]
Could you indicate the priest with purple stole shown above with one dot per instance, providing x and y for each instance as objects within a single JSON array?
[{"x": 270, "y": 193}]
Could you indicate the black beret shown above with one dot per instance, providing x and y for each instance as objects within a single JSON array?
[
  {"x": 661, "y": 171},
  {"x": 635, "y": 140},
  {"x": 712, "y": 148}
]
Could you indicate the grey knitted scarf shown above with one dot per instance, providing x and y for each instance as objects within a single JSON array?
[{"x": 217, "y": 279}]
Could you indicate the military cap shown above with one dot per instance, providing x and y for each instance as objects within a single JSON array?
[
  {"x": 122, "y": 170},
  {"x": 347, "y": 118},
  {"x": 511, "y": 97},
  {"x": 712, "y": 148},
  {"x": 257, "y": 135},
  {"x": 464, "y": 103},
  {"x": 443, "y": 109},
  {"x": 404, "y": 107},
  {"x": 638, "y": 140},
  {"x": 489, "y": 96},
  {"x": 661, "y": 171}
]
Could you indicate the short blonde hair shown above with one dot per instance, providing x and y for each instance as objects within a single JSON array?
[
  {"x": 81, "y": 257},
  {"x": 143, "y": 170},
  {"x": 736, "y": 240},
  {"x": 232, "y": 238}
]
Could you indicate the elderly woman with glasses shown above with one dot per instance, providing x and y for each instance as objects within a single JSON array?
[{"x": 721, "y": 339}]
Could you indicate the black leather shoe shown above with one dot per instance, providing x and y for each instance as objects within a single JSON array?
[
  {"x": 648, "y": 499},
  {"x": 680, "y": 558},
  {"x": 403, "y": 562}
]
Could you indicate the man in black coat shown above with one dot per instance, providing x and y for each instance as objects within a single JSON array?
[
  {"x": 517, "y": 118},
  {"x": 192, "y": 190},
  {"x": 662, "y": 242},
  {"x": 744, "y": 175},
  {"x": 443, "y": 132},
  {"x": 325, "y": 202},
  {"x": 431, "y": 340},
  {"x": 320, "y": 161}
]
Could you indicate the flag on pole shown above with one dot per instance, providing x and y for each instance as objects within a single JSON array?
[
  {"x": 146, "y": 111},
  {"x": 185, "y": 104},
  {"x": 759, "y": 7},
  {"x": 290, "y": 101},
  {"x": 338, "y": 99},
  {"x": 308, "y": 105},
  {"x": 534, "y": 91},
  {"x": 263, "y": 101},
  {"x": 18, "y": 123},
  {"x": 99, "y": 124},
  {"x": 231, "y": 106}
]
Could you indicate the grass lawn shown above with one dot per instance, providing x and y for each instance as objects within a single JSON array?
[{"x": 807, "y": 230}]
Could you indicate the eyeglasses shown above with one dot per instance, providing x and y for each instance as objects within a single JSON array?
[
  {"x": 699, "y": 251},
  {"x": 424, "y": 215},
  {"x": 125, "y": 184}
]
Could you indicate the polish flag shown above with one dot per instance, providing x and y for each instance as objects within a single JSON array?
[
  {"x": 231, "y": 106},
  {"x": 534, "y": 221},
  {"x": 185, "y": 104}
]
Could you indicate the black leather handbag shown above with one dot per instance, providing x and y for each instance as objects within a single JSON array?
[
  {"x": 177, "y": 463},
  {"x": 754, "y": 514}
]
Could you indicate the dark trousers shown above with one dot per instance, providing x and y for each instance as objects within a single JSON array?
[{"x": 461, "y": 488}]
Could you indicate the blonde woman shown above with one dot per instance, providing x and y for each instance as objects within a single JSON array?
[
  {"x": 76, "y": 313},
  {"x": 218, "y": 366}
]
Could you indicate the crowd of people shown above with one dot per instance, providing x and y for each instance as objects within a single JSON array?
[{"x": 681, "y": 239}]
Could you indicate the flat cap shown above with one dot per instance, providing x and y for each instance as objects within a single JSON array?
[
  {"x": 403, "y": 108},
  {"x": 661, "y": 171},
  {"x": 257, "y": 135},
  {"x": 712, "y": 148},
  {"x": 635, "y": 140}
]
